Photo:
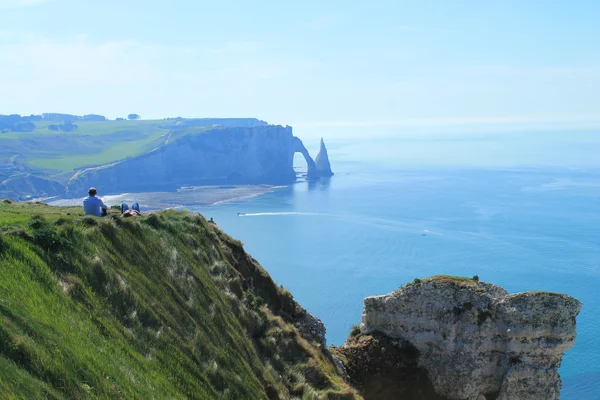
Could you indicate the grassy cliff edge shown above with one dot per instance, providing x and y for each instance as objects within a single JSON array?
[{"x": 165, "y": 306}]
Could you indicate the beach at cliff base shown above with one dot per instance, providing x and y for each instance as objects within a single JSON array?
[{"x": 183, "y": 197}]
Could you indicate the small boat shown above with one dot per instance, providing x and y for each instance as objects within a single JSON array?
[{"x": 241, "y": 214}]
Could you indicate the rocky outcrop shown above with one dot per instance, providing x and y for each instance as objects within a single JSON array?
[
  {"x": 257, "y": 154},
  {"x": 311, "y": 168},
  {"x": 322, "y": 162},
  {"x": 474, "y": 340},
  {"x": 311, "y": 326},
  {"x": 382, "y": 368}
]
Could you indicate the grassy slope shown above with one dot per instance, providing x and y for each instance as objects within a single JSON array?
[
  {"x": 165, "y": 306},
  {"x": 110, "y": 153},
  {"x": 93, "y": 128},
  {"x": 150, "y": 136},
  {"x": 94, "y": 143}
]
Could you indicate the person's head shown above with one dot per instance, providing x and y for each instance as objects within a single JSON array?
[{"x": 92, "y": 191}]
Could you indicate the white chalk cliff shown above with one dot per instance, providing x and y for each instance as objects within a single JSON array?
[
  {"x": 476, "y": 341},
  {"x": 224, "y": 155}
]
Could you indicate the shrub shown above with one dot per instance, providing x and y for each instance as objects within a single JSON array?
[
  {"x": 60, "y": 221},
  {"x": 89, "y": 221},
  {"x": 314, "y": 375},
  {"x": 417, "y": 281},
  {"x": 355, "y": 331},
  {"x": 154, "y": 221},
  {"x": 46, "y": 237},
  {"x": 476, "y": 278},
  {"x": 37, "y": 222},
  {"x": 254, "y": 300}
]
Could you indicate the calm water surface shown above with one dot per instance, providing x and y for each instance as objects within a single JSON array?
[{"x": 519, "y": 210}]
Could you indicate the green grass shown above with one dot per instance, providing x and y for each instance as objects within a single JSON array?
[
  {"x": 458, "y": 280},
  {"x": 111, "y": 154},
  {"x": 91, "y": 128},
  {"x": 165, "y": 306},
  {"x": 16, "y": 383},
  {"x": 15, "y": 214},
  {"x": 451, "y": 278},
  {"x": 150, "y": 136},
  {"x": 104, "y": 140}
]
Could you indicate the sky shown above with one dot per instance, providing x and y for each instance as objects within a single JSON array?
[{"x": 315, "y": 65}]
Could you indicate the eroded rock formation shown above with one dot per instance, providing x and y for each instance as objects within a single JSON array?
[
  {"x": 385, "y": 369},
  {"x": 322, "y": 162},
  {"x": 474, "y": 340},
  {"x": 311, "y": 326},
  {"x": 311, "y": 171}
]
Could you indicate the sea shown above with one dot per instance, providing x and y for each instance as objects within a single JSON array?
[{"x": 518, "y": 209}]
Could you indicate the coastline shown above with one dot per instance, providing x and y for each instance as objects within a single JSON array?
[{"x": 183, "y": 197}]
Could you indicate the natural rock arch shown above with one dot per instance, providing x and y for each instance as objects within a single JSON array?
[{"x": 311, "y": 173}]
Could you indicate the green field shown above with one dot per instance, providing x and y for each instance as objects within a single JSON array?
[
  {"x": 164, "y": 306},
  {"x": 110, "y": 154},
  {"x": 92, "y": 143},
  {"x": 91, "y": 128}
]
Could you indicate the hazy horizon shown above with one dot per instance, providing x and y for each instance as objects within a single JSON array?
[{"x": 406, "y": 65}]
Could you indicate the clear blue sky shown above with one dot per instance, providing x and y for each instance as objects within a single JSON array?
[{"x": 311, "y": 64}]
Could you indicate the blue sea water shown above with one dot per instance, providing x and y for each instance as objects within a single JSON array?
[{"x": 519, "y": 210}]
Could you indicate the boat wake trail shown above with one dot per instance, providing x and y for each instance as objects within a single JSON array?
[{"x": 265, "y": 214}]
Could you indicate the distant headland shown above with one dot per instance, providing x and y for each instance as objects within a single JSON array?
[{"x": 61, "y": 155}]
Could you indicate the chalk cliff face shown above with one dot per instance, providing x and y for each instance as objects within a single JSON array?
[
  {"x": 224, "y": 155},
  {"x": 25, "y": 186},
  {"x": 477, "y": 342},
  {"x": 322, "y": 162}
]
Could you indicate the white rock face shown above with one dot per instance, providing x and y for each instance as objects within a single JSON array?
[
  {"x": 236, "y": 155},
  {"x": 475, "y": 340}
]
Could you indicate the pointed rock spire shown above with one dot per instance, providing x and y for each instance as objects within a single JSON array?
[{"x": 322, "y": 162}]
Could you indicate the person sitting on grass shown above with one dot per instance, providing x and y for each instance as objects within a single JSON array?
[{"x": 93, "y": 205}]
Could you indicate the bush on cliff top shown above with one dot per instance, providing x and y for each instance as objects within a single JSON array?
[{"x": 166, "y": 306}]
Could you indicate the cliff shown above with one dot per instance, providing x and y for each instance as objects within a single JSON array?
[
  {"x": 230, "y": 122},
  {"x": 169, "y": 306},
  {"x": 23, "y": 186},
  {"x": 261, "y": 154},
  {"x": 163, "y": 306},
  {"x": 472, "y": 340},
  {"x": 322, "y": 162}
]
